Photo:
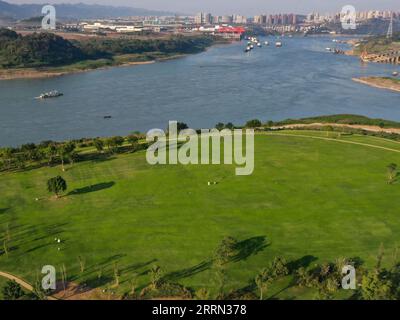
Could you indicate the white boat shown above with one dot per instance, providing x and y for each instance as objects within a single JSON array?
[
  {"x": 51, "y": 94},
  {"x": 266, "y": 43},
  {"x": 259, "y": 44},
  {"x": 278, "y": 44},
  {"x": 395, "y": 74}
]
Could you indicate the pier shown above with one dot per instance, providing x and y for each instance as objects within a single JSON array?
[{"x": 385, "y": 57}]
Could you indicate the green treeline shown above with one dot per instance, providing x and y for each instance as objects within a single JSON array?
[
  {"x": 106, "y": 48},
  {"x": 35, "y": 50},
  {"x": 47, "y": 49}
]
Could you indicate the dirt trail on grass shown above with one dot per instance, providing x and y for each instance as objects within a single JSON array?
[
  {"x": 332, "y": 139},
  {"x": 21, "y": 282},
  {"x": 339, "y": 125}
]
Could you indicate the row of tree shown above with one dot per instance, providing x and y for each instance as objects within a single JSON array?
[
  {"x": 51, "y": 153},
  {"x": 378, "y": 283},
  {"x": 48, "y": 49}
]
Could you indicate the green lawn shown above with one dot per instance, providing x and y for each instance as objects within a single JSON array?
[{"x": 307, "y": 197}]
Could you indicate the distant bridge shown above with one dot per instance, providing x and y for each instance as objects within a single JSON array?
[{"x": 385, "y": 57}]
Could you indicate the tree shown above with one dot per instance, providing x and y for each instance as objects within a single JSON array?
[
  {"x": 64, "y": 152},
  {"x": 278, "y": 268},
  {"x": 262, "y": 281},
  {"x": 50, "y": 152},
  {"x": 229, "y": 126},
  {"x": 202, "y": 294},
  {"x": 255, "y": 123},
  {"x": 73, "y": 157},
  {"x": 29, "y": 150},
  {"x": 219, "y": 126},
  {"x": 392, "y": 172},
  {"x": 56, "y": 185},
  {"x": 155, "y": 276},
  {"x": 133, "y": 140},
  {"x": 12, "y": 291},
  {"x": 114, "y": 142},
  {"x": 7, "y": 156},
  {"x": 181, "y": 126},
  {"x": 99, "y": 144},
  {"x": 225, "y": 251},
  {"x": 374, "y": 287}
]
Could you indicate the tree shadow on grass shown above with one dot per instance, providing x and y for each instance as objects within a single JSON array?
[
  {"x": 96, "y": 281},
  {"x": 249, "y": 247},
  {"x": 245, "y": 249},
  {"x": 4, "y": 210},
  {"x": 100, "y": 158},
  {"x": 188, "y": 272},
  {"x": 92, "y": 188},
  {"x": 136, "y": 266},
  {"x": 102, "y": 266},
  {"x": 34, "y": 236},
  {"x": 303, "y": 262}
]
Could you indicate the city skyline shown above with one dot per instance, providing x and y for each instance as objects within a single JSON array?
[{"x": 249, "y": 7}]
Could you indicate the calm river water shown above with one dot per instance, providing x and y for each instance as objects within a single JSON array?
[{"x": 221, "y": 85}]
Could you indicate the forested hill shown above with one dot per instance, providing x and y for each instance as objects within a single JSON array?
[
  {"x": 75, "y": 11},
  {"x": 38, "y": 49},
  {"x": 48, "y": 49}
]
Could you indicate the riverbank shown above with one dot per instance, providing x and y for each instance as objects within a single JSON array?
[
  {"x": 85, "y": 66},
  {"x": 319, "y": 125},
  {"x": 380, "y": 82},
  {"x": 43, "y": 55}
]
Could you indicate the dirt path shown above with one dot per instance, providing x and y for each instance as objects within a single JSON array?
[
  {"x": 21, "y": 282},
  {"x": 331, "y": 139},
  {"x": 339, "y": 125}
]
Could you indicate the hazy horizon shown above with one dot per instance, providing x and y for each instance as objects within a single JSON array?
[{"x": 248, "y": 7}]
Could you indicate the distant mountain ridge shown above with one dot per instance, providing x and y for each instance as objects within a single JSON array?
[{"x": 77, "y": 11}]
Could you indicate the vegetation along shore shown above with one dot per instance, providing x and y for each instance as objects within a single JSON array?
[{"x": 41, "y": 55}]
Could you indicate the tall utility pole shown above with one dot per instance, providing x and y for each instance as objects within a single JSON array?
[{"x": 390, "y": 30}]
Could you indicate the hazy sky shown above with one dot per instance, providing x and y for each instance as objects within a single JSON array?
[{"x": 246, "y": 7}]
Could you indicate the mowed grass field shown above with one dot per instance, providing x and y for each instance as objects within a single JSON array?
[{"x": 311, "y": 195}]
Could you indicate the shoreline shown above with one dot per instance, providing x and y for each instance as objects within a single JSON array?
[
  {"x": 31, "y": 73},
  {"x": 380, "y": 83},
  {"x": 51, "y": 72},
  {"x": 370, "y": 128}
]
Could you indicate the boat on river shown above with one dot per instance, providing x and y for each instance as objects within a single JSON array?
[{"x": 51, "y": 94}]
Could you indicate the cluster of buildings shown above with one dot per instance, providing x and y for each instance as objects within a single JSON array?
[
  {"x": 361, "y": 16},
  {"x": 277, "y": 19},
  {"x": 227, "y": 25},
  {"x": 203, "y": 18}
]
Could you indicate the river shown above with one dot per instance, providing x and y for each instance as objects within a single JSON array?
[{"x": 223, "y": 84}]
